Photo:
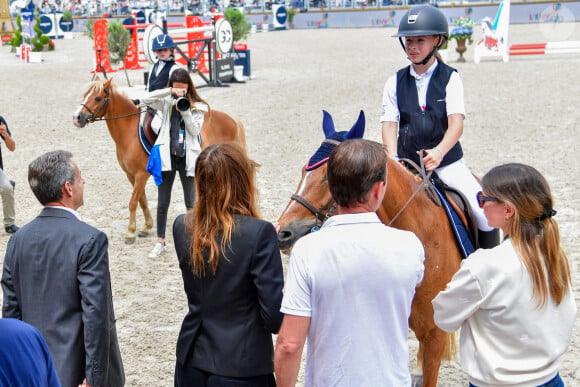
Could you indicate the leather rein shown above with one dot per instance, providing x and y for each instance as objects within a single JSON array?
[
  {"x": 327, "y": 210},
  {"x": 425, "y": 183},
  {"x": 103, "y": 108}
]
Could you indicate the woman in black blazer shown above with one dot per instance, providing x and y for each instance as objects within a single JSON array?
[{"x": 232, "y": 275}]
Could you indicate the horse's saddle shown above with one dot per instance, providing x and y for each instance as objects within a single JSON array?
[
  {"x": 459, "y": 204},
  {"x": 146, "y": 131},
  {"x": 151, "y": 123},
  {"x": 148, "y": 117},
  {"x": 455, "y": 204}
]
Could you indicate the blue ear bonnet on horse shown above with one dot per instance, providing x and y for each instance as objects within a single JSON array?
[
  {"x": 323, "y": 152},
  {"x": 333, "y": 138}
]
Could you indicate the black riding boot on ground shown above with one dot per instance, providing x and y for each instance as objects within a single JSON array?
[{"x": 488, "y": 239}]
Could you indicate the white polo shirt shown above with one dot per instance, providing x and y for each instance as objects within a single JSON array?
[{"x": 355, "y": 279}]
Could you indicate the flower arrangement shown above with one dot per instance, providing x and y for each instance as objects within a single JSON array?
[{"x": 463, "y": 30}]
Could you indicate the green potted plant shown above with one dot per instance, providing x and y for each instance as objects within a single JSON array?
[
  {"x": 16, "y": 40},
  {"x": 67, "y": 23},
  {"x": 291, "y": 13},
  {"x": 89, "y": 26},
  {"x": 67, "y": 15},
  {"x": 240, "y": 30},
  {"x": 40, "y": 42},
  {"x": 240, "y": 27},
  {"x": 462, "y": 33},
  {"x": 118, "y": 41}
]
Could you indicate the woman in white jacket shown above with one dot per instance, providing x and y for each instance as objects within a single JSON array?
[
  {"x": 182, "y": 112},
  {"x": 513, "y": 303}
]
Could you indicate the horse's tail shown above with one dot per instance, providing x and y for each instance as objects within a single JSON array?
[
  {"x": 449, "y": 352},
  {"x": 450, "y": 347},
  {"x": 241, "y": 134}
]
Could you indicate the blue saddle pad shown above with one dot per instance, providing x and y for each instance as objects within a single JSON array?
[
  {"x": 144, "y": 142},
  {"x": 461, "y": 234}
]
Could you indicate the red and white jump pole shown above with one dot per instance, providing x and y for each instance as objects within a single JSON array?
[
  {"x": 564, "y": 47},
  {"x": 494, "y": 41}
]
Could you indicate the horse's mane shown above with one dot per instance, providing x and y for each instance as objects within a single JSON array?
[
  {"x": 97, "y": 86},
  {"x": 406, "y": 170}
]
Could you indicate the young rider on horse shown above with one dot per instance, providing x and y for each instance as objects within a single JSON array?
[
  {"x": 423, "y": 108},
  {"x": 164, "y": 47}
]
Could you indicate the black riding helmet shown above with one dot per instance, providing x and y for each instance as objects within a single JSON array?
[{"x": 423, "y": 20}]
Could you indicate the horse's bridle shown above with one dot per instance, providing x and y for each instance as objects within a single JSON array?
[
  {"x": 426, "y": 183},
  {"x": 327, "y": 210},
  {"x": 321, "y": 214},
  {"x": 102, "y": 107}
]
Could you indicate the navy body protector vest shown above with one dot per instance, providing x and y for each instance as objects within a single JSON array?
[
  {"x": 157, "y": 82},
  {"x": 420, "y": 129}
]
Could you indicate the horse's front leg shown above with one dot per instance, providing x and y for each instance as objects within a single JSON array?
[{"x": 133, "y": 201}]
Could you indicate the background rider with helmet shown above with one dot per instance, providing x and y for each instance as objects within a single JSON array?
[
  {"x": 423, "y": 108},
  {"x": 164, "y": 48}
]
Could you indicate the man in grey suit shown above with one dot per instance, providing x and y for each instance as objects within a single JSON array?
[{"x": 56, "y": 278}]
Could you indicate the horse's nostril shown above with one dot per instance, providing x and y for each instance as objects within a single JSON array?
[
  {"x": 284, "y": 235},
  {"x": 285, "y": 240}
]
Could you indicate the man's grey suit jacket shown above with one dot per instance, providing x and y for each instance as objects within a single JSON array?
[{"x": 56, "y": 278}]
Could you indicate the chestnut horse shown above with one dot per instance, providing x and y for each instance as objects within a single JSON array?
[
  {"x": 407, "y": 206},
  {"x": 102, "y": 101}
]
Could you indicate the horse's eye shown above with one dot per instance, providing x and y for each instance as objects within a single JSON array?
[{"x": 99, "y": 99}]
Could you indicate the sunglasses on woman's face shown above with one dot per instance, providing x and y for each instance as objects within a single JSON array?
[{"x": 481, "y": 199}]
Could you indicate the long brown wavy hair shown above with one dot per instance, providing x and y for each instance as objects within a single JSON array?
[
  {"x": 182, "y": 76},
  {"x": 533, "y": 230},
  {"x": 225, "y": 185}
]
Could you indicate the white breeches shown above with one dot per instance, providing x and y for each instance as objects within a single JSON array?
[{"x": 458, "y": 176}]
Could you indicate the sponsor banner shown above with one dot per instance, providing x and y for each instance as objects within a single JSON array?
[
  {"x": 280, "y": 16},
  {"x": 225, "y": 69}
]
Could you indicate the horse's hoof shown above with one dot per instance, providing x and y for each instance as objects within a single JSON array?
[
  {"x": 143, "y": 234},
  {"x": 129, "y": 240},
  {"x": 416, "y": 380}
]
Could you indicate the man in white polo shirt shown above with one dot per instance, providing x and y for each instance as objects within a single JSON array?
[{"x": 350, "y": 285}]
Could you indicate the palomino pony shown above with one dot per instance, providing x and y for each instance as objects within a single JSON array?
[
  {"x": 102, "y": 101},
  {"x": 407, "y": 206}
]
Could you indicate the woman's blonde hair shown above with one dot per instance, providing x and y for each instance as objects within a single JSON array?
[
  {"x": 225, "y": 185},
  {"x": 532, "y": 229}
]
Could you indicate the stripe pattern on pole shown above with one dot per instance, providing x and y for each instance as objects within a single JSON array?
[{"x": 564, "y": 47}]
